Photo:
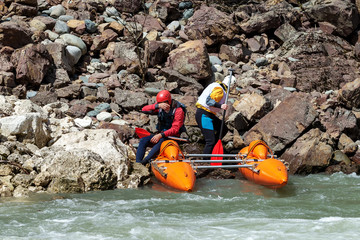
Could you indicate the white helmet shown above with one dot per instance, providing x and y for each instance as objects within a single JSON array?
[{"x": 226, "y": 80}]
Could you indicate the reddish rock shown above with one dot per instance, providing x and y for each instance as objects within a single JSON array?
[
  {"x": 322, "y": 67},
  {"x": 212, "y": 25},
  {"x": 166, "y": 10},
  {"x": 191, "y": 59},
  {"x": 349, "y": 94},
  {"x": 149, "y": 23},
  {"x": 5, "y": 59},
  {"x": 23, "y": 10},
  {"x": 157, "y": 52},
  {"x": 103, "y": 40},
  {"x": 125, "y": 132},
  {"x": 339, "y": 120},
  {"x": 32, "y": 64},
  {"x": 78, "y": 109},
  {"x": 43, "y": 98},
  {"x": 309, "y": 154},
  {"x": 7, "y": 79},
  {"x": 285, "y": 123},
  {"x": 234, "y": 53},
  {"x": 183, "y": 81},
  {"x": 33, "y": 3},
  {"x": 15, "y": 34},
  {"x": 70, "y": 92},
  {"x": 328, "y": 11},
  {"x": 326, "y": 27},
  {"x": 129, "y": 6}
]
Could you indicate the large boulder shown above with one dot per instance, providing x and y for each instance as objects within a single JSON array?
[
  {"x": 318, "y": 61},
  {"x": 29, "y": 127},
  {"x": 340, "y": 120},
  {"x": 285, "y": 123},
  {"x": 268, "y": 16},
  {"x": 75, "y": 170},
  {"x": 328, "y": 11},
  {"x": 252, "y": 106},
  {"x": 104, "y": 142},
  {"x": 191, "y": 59},
  {"x": 212, "y": 25},
  {"x": 309, "y": 154}
]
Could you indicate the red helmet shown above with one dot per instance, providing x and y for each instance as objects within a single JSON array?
[{"x": 163, "y": 96}]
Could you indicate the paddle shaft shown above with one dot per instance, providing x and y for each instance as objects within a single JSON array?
[
  {"x": 178, "y": 139},
  {"x": 211, "y": 155},
  {"x": 224, "y": 166},
  {"x": 222, "y": 155},
  {"x": 226, "y": 100},
  {"x": 207, "y": 161},
  {"x": 145, "y": 132}
]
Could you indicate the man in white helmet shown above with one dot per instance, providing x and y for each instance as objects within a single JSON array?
[{"x": 210, "y": 102}]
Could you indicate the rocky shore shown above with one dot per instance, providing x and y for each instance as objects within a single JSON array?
[{"x": 74, "y": 76}]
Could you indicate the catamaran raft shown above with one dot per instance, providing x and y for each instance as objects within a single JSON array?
[{"x": 256, "y": 162}]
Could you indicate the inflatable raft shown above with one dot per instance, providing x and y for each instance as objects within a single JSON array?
[
  {"x": 176, "y": 174},
  {"x": 256, "y": 163},
  {"x": 265, "y": 170}
]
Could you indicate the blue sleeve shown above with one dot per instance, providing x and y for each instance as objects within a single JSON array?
[{"x": 212, "y": 103}]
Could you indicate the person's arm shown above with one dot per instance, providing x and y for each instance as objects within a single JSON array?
[
  {"x": 151, "y": 109},
  {"x": 214, "y": 98},
  {"x": 178, "y": 122}
]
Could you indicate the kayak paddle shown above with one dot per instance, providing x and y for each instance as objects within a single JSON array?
[
  {"x": 144, "y": 133},
  {"x": 218, "y": 148}
]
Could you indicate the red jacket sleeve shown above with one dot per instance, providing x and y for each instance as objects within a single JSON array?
[
  {"x": 178, "y": 122},
  {"x": 150, "y": 109}
]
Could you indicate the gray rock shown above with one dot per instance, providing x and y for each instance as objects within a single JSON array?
[
  {"x": 61, "y": 27},
  {"x": 111, "y": 11},
  {"x": 173, "y": 26},
  {"x": 188, "y": 13},
  {"x": 152, "y": 91},
  {"x": 215, "y": 60},
  {"x": 90, "y": 26},
  {"x": 65, "y": 18},
  {"x": 57, "y": 11},
  {"x": 85, "y": 122},
  {"x": 30, "y": 94},
  {"x": 185, "y": 5},
  {"x": 73, "y": 40},
  {"x": 102, "y": 107},
  {"x": 73, "y": 54},
  {"x": 261, "y": 62},
  {"x": 51, "y": 35},
  {"x": 104, "y": 116}
]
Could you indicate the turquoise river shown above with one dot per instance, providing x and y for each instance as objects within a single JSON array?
[{"x": 309, "y": 207}]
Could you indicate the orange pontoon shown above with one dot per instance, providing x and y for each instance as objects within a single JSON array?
[
  {"x": 269, "y": 172},
  {"x": 177, "y": 174}
]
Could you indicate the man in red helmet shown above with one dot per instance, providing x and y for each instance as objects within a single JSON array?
[{"x": 171, "y": 116}]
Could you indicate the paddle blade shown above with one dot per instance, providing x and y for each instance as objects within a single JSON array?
[
  {"x": 218, "y": 149},
  {"x": 141, "y": 132}
]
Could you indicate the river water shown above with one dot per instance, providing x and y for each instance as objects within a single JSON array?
[{"x": 312, "y": 207}]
